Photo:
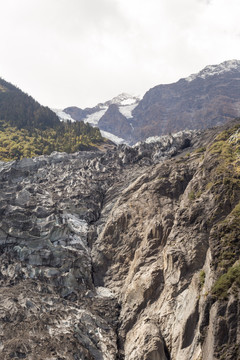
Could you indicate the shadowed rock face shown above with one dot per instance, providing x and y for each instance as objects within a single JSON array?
[
  {"x": 101, "y": 254},
  {"x": 114, "y": 122}
]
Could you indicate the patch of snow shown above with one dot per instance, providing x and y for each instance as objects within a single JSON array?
[
  {"x": 124, "y": 99},
  {"x": 215, "y": 70},
  {"x": 117, "y": 140},
  {"x": 155, "y": 139},
  {"x": 164, "y": 139},
  {"x": 104, "y": 292},
  {"x": 127, "y": 110},
  {"x": 130, "y": 101},
  {"x": 77, "y": 226},
  {"x": 57, "y": 155},
  {"x": 62, "y": 115},
  {"x": 65, "y": 325},
  {"x": 94, "y": 118},
  {"x": 76, "y": 241},
  {"x": 184, "y": 132}
]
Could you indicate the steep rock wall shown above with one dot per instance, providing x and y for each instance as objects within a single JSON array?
[{"x": 120, "y": 255}]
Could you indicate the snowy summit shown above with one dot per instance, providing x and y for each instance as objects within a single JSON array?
[
  {"x": 212, "y": 70},
  {"x": 124, "y": 99},
  {"x": 125, "y": 102}
]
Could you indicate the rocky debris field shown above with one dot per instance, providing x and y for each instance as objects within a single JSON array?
[{"x": 114, "y": 255}]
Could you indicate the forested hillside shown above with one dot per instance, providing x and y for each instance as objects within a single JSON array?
[{"x": 28, "y": 129}]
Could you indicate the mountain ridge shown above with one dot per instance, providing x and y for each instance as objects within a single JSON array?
[
  {"x": 211, "y": 70},
  {"x": 201, "y": 100}
]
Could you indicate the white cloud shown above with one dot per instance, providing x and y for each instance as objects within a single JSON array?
[{"x": 80, "y": 52}]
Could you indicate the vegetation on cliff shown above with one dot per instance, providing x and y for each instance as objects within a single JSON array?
[
  {"x": 226, "y": 281},
  {"x": 225, "y": 185}
]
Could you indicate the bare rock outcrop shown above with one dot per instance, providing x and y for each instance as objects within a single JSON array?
[{"x": 129, "y": 254}]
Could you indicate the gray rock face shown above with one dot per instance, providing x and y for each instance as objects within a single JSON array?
[
  {"x": 114, "y": 122},
  {"x": 198, "y": 102},
  {"x": 101, "y": 254}
]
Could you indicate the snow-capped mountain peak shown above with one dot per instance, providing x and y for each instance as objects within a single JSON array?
[
  {"x": 212, "y": 70},
  {"x": 124, "y": 99},
  {"x": 125, "y": 102}
]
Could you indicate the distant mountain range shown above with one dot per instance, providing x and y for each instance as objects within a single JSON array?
[{"x": 208, "y": 98}]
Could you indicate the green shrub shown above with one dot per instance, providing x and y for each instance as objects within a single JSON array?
[
  {"x": 200, "y": 150},
  {"x": 202, "y": 276},
  {"x": 198, "y": 194},
  {"x": 192, "y": 195},
  {"x": 225, "y": 282},
  {"x": 209, "y": 185}
]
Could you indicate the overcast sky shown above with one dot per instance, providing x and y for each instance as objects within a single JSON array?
[{"x": 81, "y": 52}]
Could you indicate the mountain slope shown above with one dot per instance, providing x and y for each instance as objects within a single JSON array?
[
  {"x": 115, "y": 122},
  {"x": 22, "y": 111},
  {"x": 129, "y": 254},
  {"x": 29, "y": 129},
  {"x": 208, "y": 98}
]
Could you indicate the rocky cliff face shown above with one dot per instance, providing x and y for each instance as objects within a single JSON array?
[
  {"x": 128, "y": 254},
  {"x": 206, "y": 99},
  {"x": 116, "y": 123}
]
